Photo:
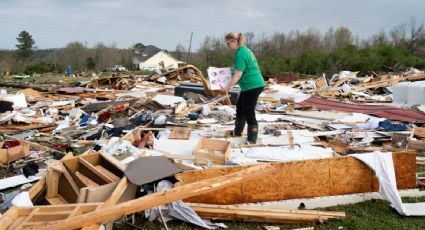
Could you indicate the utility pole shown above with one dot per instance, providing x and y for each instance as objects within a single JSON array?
[{"x": 190, "y": 45}]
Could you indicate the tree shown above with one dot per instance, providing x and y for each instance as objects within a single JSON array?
[
  {"x": 138, "y": 45},
  {"x": 25, "y": 46},
  {"x": 74, "y": 54},
  {"x": 90, "y": 63},
  {"x": 343, "y": 37},
  {"x": 180, "y": 51}
]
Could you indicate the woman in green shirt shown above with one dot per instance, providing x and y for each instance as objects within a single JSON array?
[{"x": 247, "y": 74}]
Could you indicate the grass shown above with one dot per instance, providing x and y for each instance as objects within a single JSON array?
[{"x": 373, "y": 214}]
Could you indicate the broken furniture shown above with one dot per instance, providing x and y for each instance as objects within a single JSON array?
[
  {"x": 211, "y": 151},
  {"x": 72, "y": 180},
  {"x": 72, "y": 216}
]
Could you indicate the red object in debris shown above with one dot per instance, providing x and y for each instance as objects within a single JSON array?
[
  {"x": 104, "y": 117},
  {"x": 422, "y": 183},
  {"x": 10, "y": 144},
  {"x": 120, "y": 107},
  {"x": 60, "y": 147}
]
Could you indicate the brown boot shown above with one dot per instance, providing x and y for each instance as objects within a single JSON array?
[{"x": 252, "y": 134}]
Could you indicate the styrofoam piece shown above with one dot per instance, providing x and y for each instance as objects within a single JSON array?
[
  {"x": 400, "y": 92},
  {"x": 416, "y": 93}
]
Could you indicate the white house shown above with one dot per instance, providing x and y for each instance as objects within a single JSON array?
[{"x": 151, "y": 56}]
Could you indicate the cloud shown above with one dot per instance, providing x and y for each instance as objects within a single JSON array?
[{"x": 166, "y": 23}]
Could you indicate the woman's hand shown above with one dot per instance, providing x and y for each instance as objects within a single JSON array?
[{"x": 224, "y": 89}]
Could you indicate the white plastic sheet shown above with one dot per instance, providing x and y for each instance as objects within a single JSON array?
[
  {"x": 179, "y": 210},
  {"x": 382, "y": 165}
]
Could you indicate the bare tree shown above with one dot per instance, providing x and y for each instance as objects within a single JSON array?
[
  {"x": 399, "y": 36},
  {"x": 180, "y": 51},
  {"x": 416, "y": 43},
  {"x": 343, "y": 36},
  {"x": 74, "y": 54},
  {"x": 106, "y": 56},
  {"x": 7, "y": 61},
  {"x": 278, "y": 42}
]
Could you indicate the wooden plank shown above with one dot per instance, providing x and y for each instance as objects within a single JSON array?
[
  {"x": 67, "y": 187},
  {"x": 33, "y": 145},
  {"x": 162, "y": 197},
  {"x": 57, "y": 200},
  {"x": 418, "y": 131},
  {"x": 43, "y": 217},
  {"x": 95, "y": 170},
  {"x": 109, "y": 174},
  {"x": 52, "y": 182},
  {"x": 263, "y": 215},
  {"x": 182, "y": 133},
  {"x": 113, "y": 199},
  {"x": 321, "y": 83},
  {"x": 341, "y": 81},
  {"x": 27, "y": 218},
  {"x": 11, "y": 215},
  {"x": 87, "y": 181},
  {"x": 37, "y": 188},
  {"x": 290, "y": 139}
]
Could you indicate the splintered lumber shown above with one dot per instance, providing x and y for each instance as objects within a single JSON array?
[
  {"x": 160, "y": 198},
  {"x": 263, "y": 215},
  {"x": 303, "y": 179},
  {"x": 379, "y": 84}
]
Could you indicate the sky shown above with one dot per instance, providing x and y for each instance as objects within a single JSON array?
[{"x": 165, "y": 23}]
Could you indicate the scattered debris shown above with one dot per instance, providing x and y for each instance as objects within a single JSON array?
[{"x": 121, "y": 144}]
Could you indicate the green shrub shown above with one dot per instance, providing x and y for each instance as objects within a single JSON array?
[{"x": 39, "y": 67}]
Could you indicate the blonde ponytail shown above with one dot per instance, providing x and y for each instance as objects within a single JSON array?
[{"x": 235, "y": 36}]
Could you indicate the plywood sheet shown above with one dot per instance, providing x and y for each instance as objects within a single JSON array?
[
  {"x": 302, "y": 179},
  {"x": 349, "y": 175},
  {"x": 224, "y": 196}
]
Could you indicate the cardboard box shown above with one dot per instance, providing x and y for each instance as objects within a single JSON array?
[
  {"x": 14, "y": 153},
  {"x": 206, "y": 151}
]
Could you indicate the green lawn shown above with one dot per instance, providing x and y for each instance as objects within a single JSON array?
[{"x": 373, "y": 214}]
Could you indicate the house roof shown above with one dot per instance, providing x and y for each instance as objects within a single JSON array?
[{"x": 146, "y": 52}]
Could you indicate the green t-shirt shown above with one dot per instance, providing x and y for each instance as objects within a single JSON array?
[{"x": 246, "y": 62}]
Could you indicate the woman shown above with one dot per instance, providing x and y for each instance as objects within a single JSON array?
[{"x": 247, "y": 74}]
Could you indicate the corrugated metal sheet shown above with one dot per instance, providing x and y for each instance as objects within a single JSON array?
[{"x": 388, "y": 112}]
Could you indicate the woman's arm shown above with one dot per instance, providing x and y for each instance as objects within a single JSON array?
[{"x": 236, "y": 76}]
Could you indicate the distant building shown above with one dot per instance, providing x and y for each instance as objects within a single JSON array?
[{"x": 150, "y": 57}]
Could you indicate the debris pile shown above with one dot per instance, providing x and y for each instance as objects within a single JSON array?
[{"x": 162, "y": 143}]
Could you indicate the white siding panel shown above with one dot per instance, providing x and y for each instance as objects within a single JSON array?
[{"x": 154, "y": 61}]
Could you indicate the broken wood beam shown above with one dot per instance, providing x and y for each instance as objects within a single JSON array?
[
  {"x": 162, "y": 197},
  {"x": 263, "y": 215}
]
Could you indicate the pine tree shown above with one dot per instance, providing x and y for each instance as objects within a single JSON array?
[{"x": 25, "y": 46}]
